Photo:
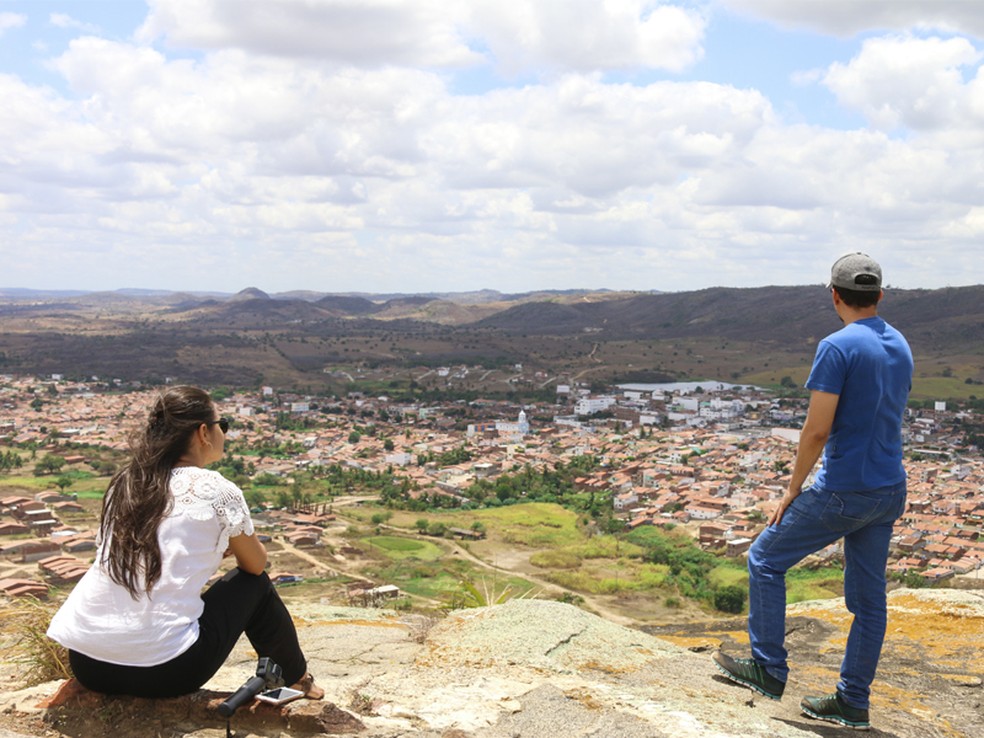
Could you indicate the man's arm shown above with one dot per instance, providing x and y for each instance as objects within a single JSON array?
[{"x": 813, "y": 437}]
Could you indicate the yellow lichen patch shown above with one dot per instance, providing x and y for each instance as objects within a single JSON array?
[
  {"x": 888, "y": 696},
  {"x": 838, "y": 618},
  {"x": 606, "y": 668},
  {"x": 740, "y": 636},
  {"x": 813, "y": 674},
  {"x": 884, "y": 694},
  {"x": 699, "y": 643},
  {"x": 585, "y": 698},
  {"x": 362, "y": 623},
  {"x": 940, "y": 635},
  {"x": 961, "y": 663},
  {"x": 963, "y": 680}
]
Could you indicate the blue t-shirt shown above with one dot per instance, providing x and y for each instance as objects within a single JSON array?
[{"x": 869, "y": 364}]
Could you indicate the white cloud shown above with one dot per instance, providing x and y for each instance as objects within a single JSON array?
[
  {"x": 561, "y": 134},
  {"x": 522, "y": 36},
  {"x": 63, "y": 20},
  {"x": 851, "y": 17},
  {"x": 349, "y": 169},
  {"x": 912, "y": 82},
  {"x": 359, "y": 32},
  {"x": 588, "y": 35},
  {"x": 11, "y": 20}
]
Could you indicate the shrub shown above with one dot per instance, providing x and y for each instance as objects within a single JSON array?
[
  {"x": 26, "y": 621},
  {"x": 555, "y": 559},
  {"x": 730, "y": 599}
]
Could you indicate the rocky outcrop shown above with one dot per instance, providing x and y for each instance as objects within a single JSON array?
[{"x": 533, "y": 668}]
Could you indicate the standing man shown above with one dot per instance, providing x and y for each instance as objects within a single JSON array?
[{"x": 859, "y": 385}]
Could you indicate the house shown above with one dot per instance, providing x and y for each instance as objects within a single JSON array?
[
  {"x": 936, "y": 574},
  {"x": 384, "y": 591},
  {"x": 303, "y": 538},
  {"x": 32, "y": 550},
  {"x": 713, "y": 535},
  {"x": 738, "y": 546},
  {"x": 12, "y": 503},
  {"x": 28, "y": 508},
  {"x": 67, "y": 506},
  {"x": 9, "y": 528},
  {"x": 50, "y": 496},
  {"x": 699, "y": 512},
  {"x": 63, "y": 569},
  {"x": 23, "y": 588},
  {"x": 624, "y": 500},
  {"x": 79, "y": 543}
]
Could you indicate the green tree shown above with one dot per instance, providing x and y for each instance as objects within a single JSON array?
[
  {"x": 49, "y": 464},
  {"x": 730, "y": 599},
  {"x": 437, "y": 528},
  {"x": 254, "y": 498},
  {"x": 64, "y": 483}
]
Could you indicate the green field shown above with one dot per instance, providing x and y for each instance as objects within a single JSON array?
[
  {"x": 814, "y": 584},
  {"x": 943, "y": 388},
  {"x": 729, "y": 575},
  {"x": 534, "y": 524},
  {"x": 448, "y": 579},
  {"x": 86, "y": 485},
  {"x": 395, "y": 547},
  {"x": 600, "y": 565}
]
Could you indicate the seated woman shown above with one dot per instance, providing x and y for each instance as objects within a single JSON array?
[{"x": 138, "y": 623}]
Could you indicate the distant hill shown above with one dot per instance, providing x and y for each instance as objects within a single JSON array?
[
  {"x": 942, "y": 317},
  {"x": 250, "y": 293},
  {"x": 751, "y": 335},
  {"x": 347, "y": 304}
]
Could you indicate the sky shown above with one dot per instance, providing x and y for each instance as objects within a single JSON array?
[{"x": 430, "y": 146}]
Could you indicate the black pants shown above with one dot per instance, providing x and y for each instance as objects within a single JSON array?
[{"x": 236, "y": 604}]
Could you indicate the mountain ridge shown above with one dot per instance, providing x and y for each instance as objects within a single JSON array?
[{"x": 753, "y": 335}]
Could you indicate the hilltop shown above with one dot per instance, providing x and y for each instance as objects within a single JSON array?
[
  {"x": 296, "y": 339},
  {"x": 538, "y": 669}
]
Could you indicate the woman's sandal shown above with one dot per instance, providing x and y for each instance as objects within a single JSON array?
[{"x": 311, "y": 690}]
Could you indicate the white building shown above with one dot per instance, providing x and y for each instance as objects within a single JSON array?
[{"x": 592, "y": 405}]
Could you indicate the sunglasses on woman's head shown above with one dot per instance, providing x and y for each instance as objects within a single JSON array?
[{"x": 223, "y": 423}]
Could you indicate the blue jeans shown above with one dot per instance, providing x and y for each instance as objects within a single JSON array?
[{"x": 815, "y": 519}]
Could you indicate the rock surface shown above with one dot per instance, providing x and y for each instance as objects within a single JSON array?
[{"x": 539, "y": 669}]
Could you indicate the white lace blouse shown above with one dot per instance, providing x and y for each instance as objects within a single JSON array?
[{"x": 101, "y": 620}]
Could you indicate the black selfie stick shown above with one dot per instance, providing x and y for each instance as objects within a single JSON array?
[{"x": 268, "y": 676}]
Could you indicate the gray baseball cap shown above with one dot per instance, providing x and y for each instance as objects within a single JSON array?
[{"x": 856, "y": 272}]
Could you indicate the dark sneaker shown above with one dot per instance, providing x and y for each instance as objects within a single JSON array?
[
  {"x": 834, "y": 710},
  {"x": 749, "y": 673}
]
